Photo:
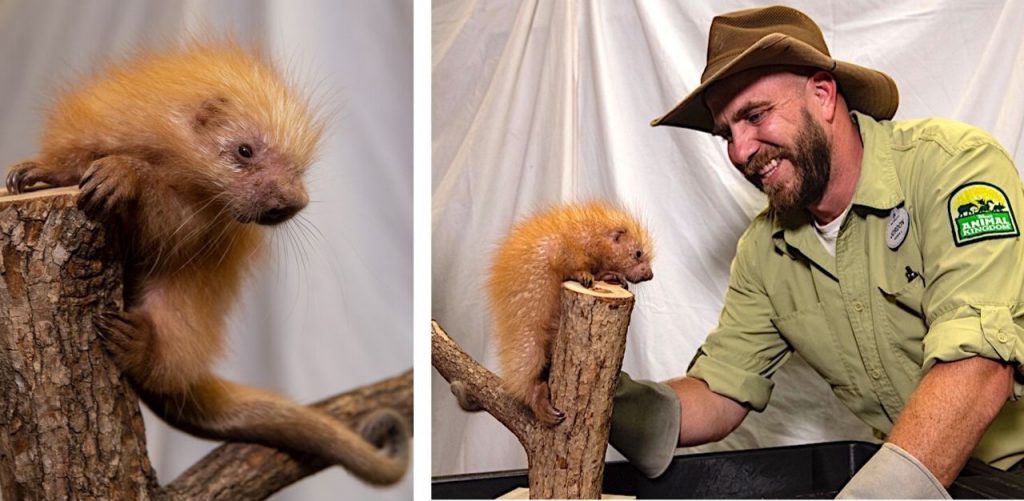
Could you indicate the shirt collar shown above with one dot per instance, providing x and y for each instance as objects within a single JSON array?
[{"x": 878, "y": 186}]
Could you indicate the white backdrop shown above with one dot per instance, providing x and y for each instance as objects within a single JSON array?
[
  {"x": 336, "y": 314},
  {"x": 540, "y": 101}
]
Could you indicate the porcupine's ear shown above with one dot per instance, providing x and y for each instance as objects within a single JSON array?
[
  {"x": 617, "y": 234},
  {"x": 209, "y": 112}
]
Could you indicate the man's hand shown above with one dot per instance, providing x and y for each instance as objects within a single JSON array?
[
  {"x": 650, "y": 419},
  {"x": 645, "y": 424},
  {"x": 935, "y": 434},
  {"x": 893, "y": 474}
]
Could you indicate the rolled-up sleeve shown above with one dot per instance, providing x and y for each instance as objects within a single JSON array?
[
  {"x": 972, "y": 302},
  {"x": 741, "y": 354}
]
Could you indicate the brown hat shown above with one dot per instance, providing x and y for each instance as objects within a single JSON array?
[{"x": 772, "y": 36}]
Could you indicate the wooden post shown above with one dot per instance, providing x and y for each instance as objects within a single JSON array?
[
  {"x": 70, "y": 426},
  {"x": 566, "y": 460}
]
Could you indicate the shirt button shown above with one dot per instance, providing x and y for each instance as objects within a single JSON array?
[
  {"x": 876, "y": 374},
  {"x": 858, "y": 307},
  {"x": 1002, "y": 337}
]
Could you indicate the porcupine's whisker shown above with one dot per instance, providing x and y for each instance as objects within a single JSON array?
[
  {"x": 160, "y": 249},
  {"x": 209, "y": 244}
]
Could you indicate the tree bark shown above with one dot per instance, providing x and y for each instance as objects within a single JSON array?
[
  {"x": 566, "y": 460},
  {"x": 70, "y": 426}
]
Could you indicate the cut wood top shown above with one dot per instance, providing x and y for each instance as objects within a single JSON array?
[
  {"x": 7, "y": 197},
  {"x": 600, "y": 289}
]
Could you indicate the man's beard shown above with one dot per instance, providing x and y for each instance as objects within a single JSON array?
[{"x": 811, "y": 158}]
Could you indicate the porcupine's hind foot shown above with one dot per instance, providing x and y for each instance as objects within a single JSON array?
[
  {"x": 128, "y": 338},
  {"x": 540, "y": 404},
  {"x": 22, "y": 175}
]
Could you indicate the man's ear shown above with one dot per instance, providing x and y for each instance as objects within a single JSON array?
[{"x": 824, "y": 89}]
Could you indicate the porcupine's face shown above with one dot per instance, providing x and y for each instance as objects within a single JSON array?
[
  {"x": 261, "y": 179},
  {"x": 630, "y": 254}
]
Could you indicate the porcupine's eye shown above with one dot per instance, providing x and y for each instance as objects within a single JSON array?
[
  {"x": 245, "y": 151},
  {"x": 638, "y": 254}
]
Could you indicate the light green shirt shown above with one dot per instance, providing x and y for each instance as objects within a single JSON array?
[{"x": 872, "y": 320}]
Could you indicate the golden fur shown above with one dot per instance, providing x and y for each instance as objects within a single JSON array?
[
  {"x": 582, "y": 242},
  {"x": 183, "y": 151}
]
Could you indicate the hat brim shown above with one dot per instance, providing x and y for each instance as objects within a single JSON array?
[{"x": 869, "y": 91}]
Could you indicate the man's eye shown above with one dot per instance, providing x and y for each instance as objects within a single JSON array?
[{"x": 756, "y": 117}]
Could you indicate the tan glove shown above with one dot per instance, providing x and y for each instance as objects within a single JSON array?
[
  {"x": 645, "y": 424},
  {"x": 892, "y": 473}
]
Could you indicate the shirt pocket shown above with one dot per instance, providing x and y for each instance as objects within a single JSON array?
[
  {"x": 809, "y": 332},
  {"x": 903, "y": 294}
]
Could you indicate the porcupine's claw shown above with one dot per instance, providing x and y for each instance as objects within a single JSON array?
[
  {"x": 585, "y": 278},
  {"x": 126, "y": 337},
  {"x": 540, "y": 404},
  {"x": 23, "y": 175},
  {"x": 108, "y": 185}
]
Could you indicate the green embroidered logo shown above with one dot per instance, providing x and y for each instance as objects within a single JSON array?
[{"x": 980, "y": 211}]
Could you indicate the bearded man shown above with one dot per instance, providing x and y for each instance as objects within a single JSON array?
[{"x": 889, "y": 258}]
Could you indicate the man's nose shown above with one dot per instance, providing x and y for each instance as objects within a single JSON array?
[{"x": 743, "y": 146}]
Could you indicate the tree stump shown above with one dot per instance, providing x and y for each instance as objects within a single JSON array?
[
  {"x": 70, "y": 426},
  {"x": 565, "y": 460}
]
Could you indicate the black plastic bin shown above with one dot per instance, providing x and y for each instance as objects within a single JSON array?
[{"x": 813, "y": 471}]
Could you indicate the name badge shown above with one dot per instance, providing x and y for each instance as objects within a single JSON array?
[{"x": 899, "y": 224}]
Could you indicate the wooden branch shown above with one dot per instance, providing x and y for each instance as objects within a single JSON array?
[
  {"x": 238, "y": 471},
  {"x": 455, "y": 366},
  {"x": 70, "y": 426},
  {"x": 566, "y": 460}
]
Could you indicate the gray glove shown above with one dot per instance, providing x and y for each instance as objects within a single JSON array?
[
  {"x": 892, "y": 473},
  {"x": 645, "y": 424}
]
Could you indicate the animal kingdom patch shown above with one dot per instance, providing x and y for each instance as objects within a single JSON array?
[{"x": 980, "y": 211}]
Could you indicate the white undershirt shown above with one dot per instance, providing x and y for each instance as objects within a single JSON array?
[{"x": 828, "y": 233}]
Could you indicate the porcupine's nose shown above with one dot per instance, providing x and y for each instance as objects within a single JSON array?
[
  {"x": 644, "y": 273},
  {"x": 277, "y": 215},
  {"x": 280, "y": 206}
]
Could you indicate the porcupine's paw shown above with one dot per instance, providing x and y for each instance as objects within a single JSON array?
[
  {"x": 614, "y": 277},
  {"x": 585, "y": 278},
  {"x": 22, "y": 175},
  {"x": 128, "y": 338},
  {"x": 540, "y": 404},
  {"x": 108, "y": 185},
  {"x": 386, "y": 430}
]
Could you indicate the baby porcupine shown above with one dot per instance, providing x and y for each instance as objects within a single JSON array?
[
  {"x": 187, "y": 152},
  {"x": 581, "y": 242}
]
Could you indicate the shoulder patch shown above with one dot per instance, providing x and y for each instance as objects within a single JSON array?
[{"x": 980, "y": 211}]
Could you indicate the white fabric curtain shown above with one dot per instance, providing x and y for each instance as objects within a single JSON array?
[
  {"x": 332, "y": 307},
  {"x": 538, "y": 101}
]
